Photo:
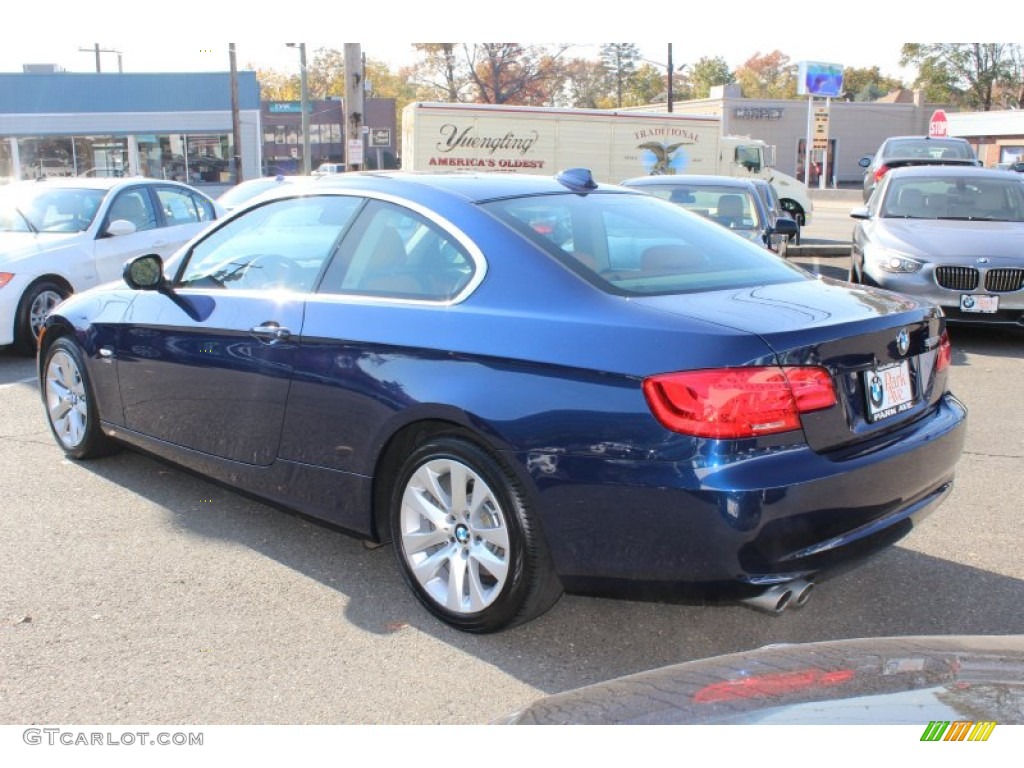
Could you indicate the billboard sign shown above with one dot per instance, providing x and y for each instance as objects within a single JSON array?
[{"x": 816, "y": 78}]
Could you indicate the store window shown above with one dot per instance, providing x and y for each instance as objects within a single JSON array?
[
  {"x": 61, "y": 156},
  {"x": 6, "y": 161},
  {"x": 195, "y": 158}
]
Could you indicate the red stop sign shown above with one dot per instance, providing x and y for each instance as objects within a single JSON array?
[{"x": 938, "y": 125}]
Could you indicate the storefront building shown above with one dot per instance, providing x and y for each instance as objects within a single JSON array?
[
  {"x": 282, "y": 134},
  {"x": 997, "y": 137},
  {"x": 855, "y": 128},
  {"x": 161, "y": 125}
]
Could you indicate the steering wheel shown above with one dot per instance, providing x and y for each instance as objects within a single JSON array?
[{"x": 271, "y": 270}]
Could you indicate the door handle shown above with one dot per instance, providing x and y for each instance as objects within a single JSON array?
[{"x": 270, "y": 332}]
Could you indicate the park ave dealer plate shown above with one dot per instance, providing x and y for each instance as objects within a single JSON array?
[
  {"x": 888, "y": 390},
  {"x": 978, "y": 303}
]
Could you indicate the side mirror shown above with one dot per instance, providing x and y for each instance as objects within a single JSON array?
[
  {"x": 784, "y": 225},
  {"x": 860, "y": 213},
  {"x": 145, "y": 273},
  {"x": 119, "y": 227}
]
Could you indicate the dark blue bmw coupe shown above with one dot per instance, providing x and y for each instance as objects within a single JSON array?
[{"x": 526, "y": 384}]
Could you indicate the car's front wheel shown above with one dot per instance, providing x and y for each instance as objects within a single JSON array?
[
  {"x": 36, "y": 303},
  {"x": 467, "y": 542},
  {"x": 71, "y": 404}
]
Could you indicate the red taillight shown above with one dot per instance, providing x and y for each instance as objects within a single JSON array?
[
  {"x": 738, "y": 402},
  {"x": 945, "y": 358},
  {"x": 880, "y": 172}
]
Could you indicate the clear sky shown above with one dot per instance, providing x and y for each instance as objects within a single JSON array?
[{"x": 149, "y": 38}]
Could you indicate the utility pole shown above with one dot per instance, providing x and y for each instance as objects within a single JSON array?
[
  {"x": 97, "y": 50},
  {"x": 304, "y": 106},
  {"x": 236, "y": 126},
  {"x": 670, "y": 78},
  {"x": 354, "y": 116}
]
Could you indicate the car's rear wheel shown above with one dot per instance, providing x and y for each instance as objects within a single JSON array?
[
  {"x": 70, "y": 403},
  {"x": 36, "y": 303},
  {"x": 467, "y": 542}
]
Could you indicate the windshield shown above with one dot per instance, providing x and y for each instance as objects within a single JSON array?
[
  {"x": 952, "y": 197},
  {"x": 43, "y": 209},
  {"x": 639, "y": 245}
]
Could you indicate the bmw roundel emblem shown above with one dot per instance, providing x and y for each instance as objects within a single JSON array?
[
  {"x": 903, "y": 341},
  {"x": 968, "y": 302},
  {"x": 875, "y": 390}
]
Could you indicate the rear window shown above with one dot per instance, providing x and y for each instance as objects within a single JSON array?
[
  {"x": 639, "y": 245},
  {"x": 934, "y": 149}
]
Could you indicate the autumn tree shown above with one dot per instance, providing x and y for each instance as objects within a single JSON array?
[
  {"x": 511, "y": 73},
  {"x": 968, "y": 74},
  {"x": 770, "y": 76},
  {"x": 278, "y": 86},
  {"x": 440, "y": 75},
  {"x": 583, "y": 84}
]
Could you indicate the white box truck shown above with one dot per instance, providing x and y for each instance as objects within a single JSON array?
[{"x": 614, "y": 145}]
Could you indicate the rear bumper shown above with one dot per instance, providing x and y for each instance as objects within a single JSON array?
[{"x": 751, "y": 520}]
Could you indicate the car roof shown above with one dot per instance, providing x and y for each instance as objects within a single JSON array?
[
  {"x": 105, "y": 183},
  {"x": 468, "y": 185},
  {"x": 958, "y": 171},
  {"x": 689, "y": 180}
]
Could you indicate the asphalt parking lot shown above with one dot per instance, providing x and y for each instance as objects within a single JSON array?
[{"x": 135, "y": 593}]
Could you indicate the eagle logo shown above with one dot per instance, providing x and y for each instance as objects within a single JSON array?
[{"x": 664, "y": 159}]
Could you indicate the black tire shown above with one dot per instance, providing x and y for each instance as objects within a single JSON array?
[
  {"x": 71, "y": 404},
  {"x": 483, "y": 525},
  {"x": 37, "y": 301}
]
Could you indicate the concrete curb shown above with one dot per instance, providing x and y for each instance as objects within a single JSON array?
[{"x": 824, "y": 249}]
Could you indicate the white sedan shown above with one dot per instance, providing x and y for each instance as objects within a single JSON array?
[{"x": 59, "y": 236}]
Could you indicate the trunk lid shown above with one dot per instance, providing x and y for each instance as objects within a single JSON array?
[{"x": 880, "y": 347}]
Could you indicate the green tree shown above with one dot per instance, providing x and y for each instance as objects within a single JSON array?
[
  {"x": 708, "y": 72},
  {"x": 971, "y": 74},
  {"x": 620, "y": 62},
  {"x": 868, "y": 83}
]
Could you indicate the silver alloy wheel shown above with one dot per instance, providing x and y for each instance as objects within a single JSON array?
[
  {"x": 66, "y": 401},
  {"x": 455, "y": 536},
  {"x": 42, "y": 304}
]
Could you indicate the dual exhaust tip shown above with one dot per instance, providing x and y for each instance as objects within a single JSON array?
[{"x": 780, "y": 597}]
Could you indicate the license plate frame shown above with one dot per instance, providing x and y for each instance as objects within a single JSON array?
[
  {"x": 888, "y": 391},
  {"x": 979, "y": 303}
]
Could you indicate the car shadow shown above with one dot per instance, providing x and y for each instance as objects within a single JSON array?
[{"x": 583, "y": 640}]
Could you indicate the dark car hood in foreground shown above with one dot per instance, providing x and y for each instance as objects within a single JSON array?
[
  {"x": 949, "y": 239},
  {"x": 874, "y": 681}
]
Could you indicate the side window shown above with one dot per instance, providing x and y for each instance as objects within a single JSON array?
[
  {"x": 181, "y": 206},
  {"x": 396, "y": 253},
  {"x": 134, "y": 205},
  {"x": 282, "y": 245}
]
